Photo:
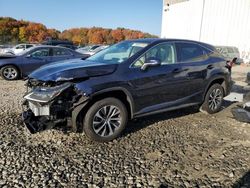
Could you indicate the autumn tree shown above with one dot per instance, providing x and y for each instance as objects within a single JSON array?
[
  {"x": 14, "y": 31},
  {"x": 117, "y": 35}
]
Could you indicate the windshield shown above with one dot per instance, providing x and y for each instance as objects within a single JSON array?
[
  {"x": 118, "y": 53},
  {"x": 25, "y": 52}
]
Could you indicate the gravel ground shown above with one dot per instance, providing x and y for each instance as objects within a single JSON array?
[{"x": 183, "y": 148}]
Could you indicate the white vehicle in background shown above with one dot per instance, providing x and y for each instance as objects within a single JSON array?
[
  {"x": 91, "y": 50},
  {"x": 3, "y": 48},
  {"x": 230, "y": 52},
  {"x": 17, "y": 49},
  {"x": 246, "y": 57},
  {"x": 100, "y": 48},
  {"x": 86, "y": 49}
]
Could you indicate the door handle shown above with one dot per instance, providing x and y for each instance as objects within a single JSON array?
[
  {"x": 179, "y": 70},
  {"x": 210, "y": 67}
]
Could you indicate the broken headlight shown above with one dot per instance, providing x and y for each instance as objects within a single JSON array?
[{"x": 46, "y": 94}]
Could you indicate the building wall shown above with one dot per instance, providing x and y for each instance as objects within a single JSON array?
[{"x": 218, "y": 22}]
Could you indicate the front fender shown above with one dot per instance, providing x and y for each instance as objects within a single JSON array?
[
  {"x": 125, "y": 91},
  {"x": 86, "y": 98}
]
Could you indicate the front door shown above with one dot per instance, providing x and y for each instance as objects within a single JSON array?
[
  {"x": 36, "y": 59},
  {"x": 161, "y": 86}
]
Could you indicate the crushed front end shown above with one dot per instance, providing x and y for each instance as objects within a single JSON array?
[{"x": 47, "y": 104}]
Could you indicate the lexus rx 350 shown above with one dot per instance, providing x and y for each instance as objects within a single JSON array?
[{"x": 128, "y": 80}]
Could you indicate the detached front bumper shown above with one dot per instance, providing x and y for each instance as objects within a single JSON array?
[
  {"x": 241, "y": 114},
  {"x": 33, "y": 123}
]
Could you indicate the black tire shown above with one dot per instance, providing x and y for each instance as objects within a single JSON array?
[
  {"x": 95, "y": 116},
  {"x": 212, "y": 104},
  {"x": 10, "y": 72}
]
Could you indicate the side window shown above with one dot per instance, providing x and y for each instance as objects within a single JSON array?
[
  {"x": 40, "y": 53},
  {"x": 20, "y": 47},
  {"x": 230, "y": 50},
  {"x": 189, "y": 52},
  {"x": 208, "y": 51},
  {"x": 165, "y": 53},
  {"x": 60, "y": 52},
  {"x": 28, "y": 46}
]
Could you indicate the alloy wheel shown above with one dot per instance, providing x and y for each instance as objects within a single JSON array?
[
  {"x": 10, "y": 73},
  {"x": 107, "y": 120},
  {"x": 215, "y": 99}
]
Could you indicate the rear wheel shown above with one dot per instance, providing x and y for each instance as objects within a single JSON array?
[
  {"x": 10, "y": 72},
  {"x": 213, "y": 100},
  {"x": 105, "y": 120}
]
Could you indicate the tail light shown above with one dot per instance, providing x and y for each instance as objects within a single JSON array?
[{"x": 231, "y": 63}]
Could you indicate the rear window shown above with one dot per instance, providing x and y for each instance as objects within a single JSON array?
[
  {"x": 189, "y": 52},
  {"x": 94, "y": 47},
  {"x": 236, "y": 50},
  {"x": 230, "y": 50}
]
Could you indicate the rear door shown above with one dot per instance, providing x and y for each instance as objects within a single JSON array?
[
  {"x": 60, "y": 54},
  {"x": 195, "y": 61}
]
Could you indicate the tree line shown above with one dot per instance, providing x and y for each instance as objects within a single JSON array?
[{"x": 14, "y": 31}]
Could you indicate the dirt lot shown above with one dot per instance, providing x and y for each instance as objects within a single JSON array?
[{"x": 183, "y": 148}]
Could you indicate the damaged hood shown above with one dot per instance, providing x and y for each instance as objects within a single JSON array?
[{"x": 72, "y": 69}]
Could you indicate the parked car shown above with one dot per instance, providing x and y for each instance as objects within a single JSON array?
[
  {"x": 17, "y": 49},
  {"x": 18, "y": 66},
  {"x": 62, "y": 43},
  {"x": 230, "y": 52},
  {"x": 86, "y": 49},
  {"x": 96, "y": 50},
  {"x": 246, "y": 57},
  {"x": 3, "y": 48},
  {"x": 128, "y": 80},
  {"x": 73, "y": 47}
]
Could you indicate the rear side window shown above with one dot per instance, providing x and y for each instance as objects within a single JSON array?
[
  {"x": 60, "y": 52},
  {"x": 189, "y": 52},
  {"x": 20, "y": 47}
]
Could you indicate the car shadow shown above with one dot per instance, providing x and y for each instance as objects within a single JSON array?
[
  {"x": 143, "y": 122},
  {"x": 244, "y": 181}
]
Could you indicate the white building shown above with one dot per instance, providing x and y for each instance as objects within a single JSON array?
[{"x": 218, "y": 22}]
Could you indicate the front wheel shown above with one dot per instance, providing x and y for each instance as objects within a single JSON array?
[
  {"x": 9, "y": 72},
  {"x": 105, "y": 120},
  {"x": 213, "y": 100}
]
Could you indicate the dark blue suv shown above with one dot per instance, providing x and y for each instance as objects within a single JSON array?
[{"x": 128, "y": 80}]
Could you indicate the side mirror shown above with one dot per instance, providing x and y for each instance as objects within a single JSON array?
[
  {"x": 151, "y": 62},
  {"x": 29, "y": 56}
]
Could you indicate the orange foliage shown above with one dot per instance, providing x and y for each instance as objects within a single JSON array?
[{"x": 14, "y": 31}]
